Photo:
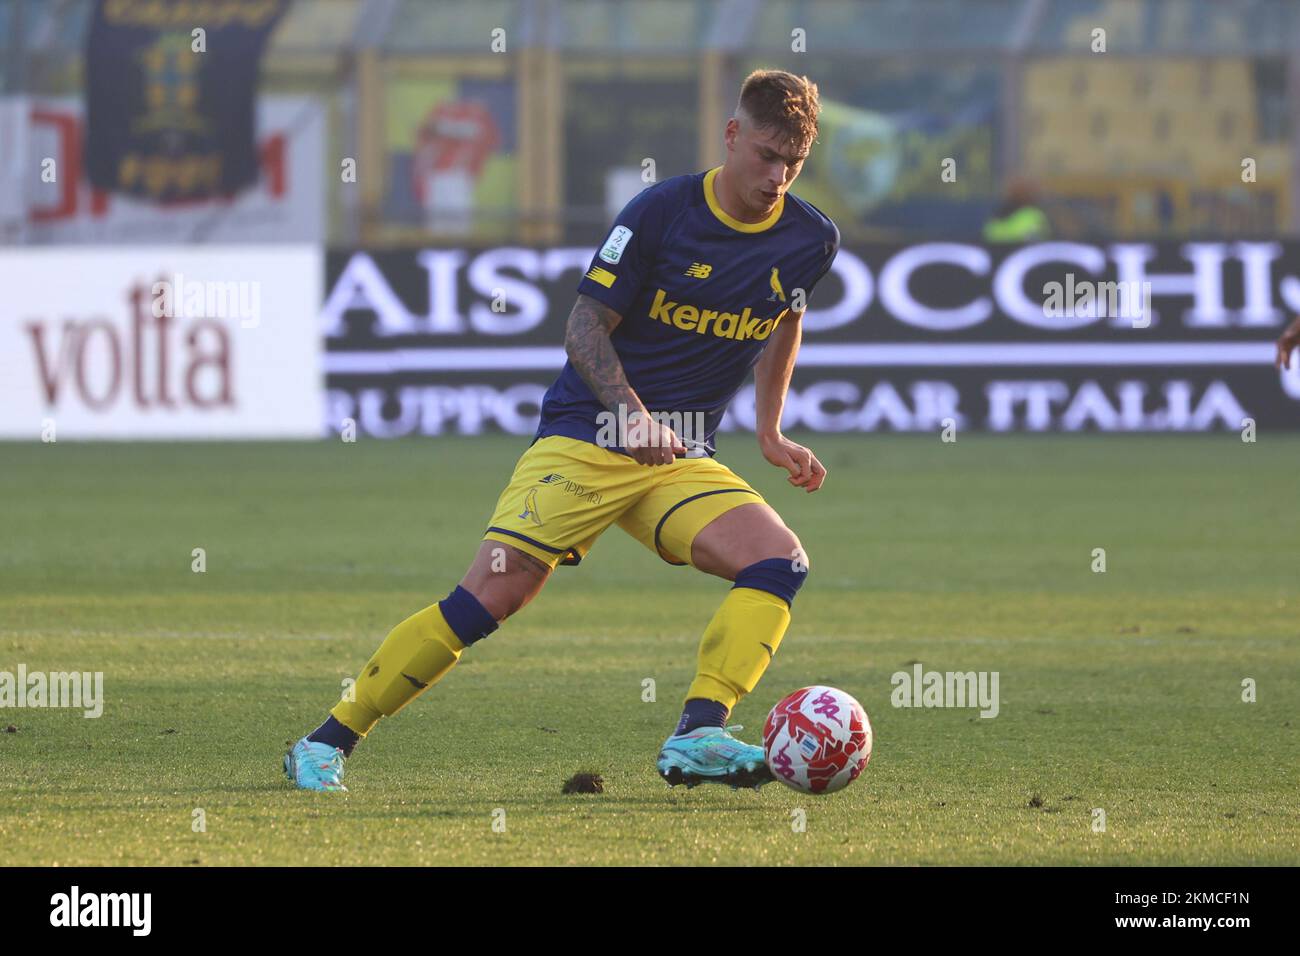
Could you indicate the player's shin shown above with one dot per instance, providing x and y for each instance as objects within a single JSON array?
[
  {"x": 415, "y": 655},
  {"x": 746, "y": 631}
]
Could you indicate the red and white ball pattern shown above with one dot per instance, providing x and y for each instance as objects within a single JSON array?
[{"x": 817, "y": 740}]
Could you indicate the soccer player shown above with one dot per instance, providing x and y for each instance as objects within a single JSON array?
[{"x": 702, "y": 278}]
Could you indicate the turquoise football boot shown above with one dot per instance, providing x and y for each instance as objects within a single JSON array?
[
  {"x": 314, "y": 766},
  {"x": 712, "y": 755}
]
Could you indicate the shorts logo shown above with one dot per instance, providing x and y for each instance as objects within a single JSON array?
[
  {"x": 699, "y": 270},
  {"x": 612, "y": 251},
  {"x": 530, "y": 508},
  {"x": 572, "y": 487}
]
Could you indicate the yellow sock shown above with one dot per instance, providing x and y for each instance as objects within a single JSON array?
[
  {"x": 414, "y": 656},
  {"x": 738, "y": 644}
]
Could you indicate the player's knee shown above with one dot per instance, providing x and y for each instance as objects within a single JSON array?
[
  {"x": 790, "y": 549},
  {"x": 798, "y": 556},
  {"x": 508, "y": 595},
  {"x": 780, "y": 576}
]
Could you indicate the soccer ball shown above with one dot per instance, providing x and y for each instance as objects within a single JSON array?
[{"x": 817, "y": 740}]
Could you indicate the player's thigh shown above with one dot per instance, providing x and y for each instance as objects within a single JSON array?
[
  {"x": 562, "y": 496},
  {"x": 744, "y": 535},
  {"x": 686, "y": 501},
  {"x": 504, "y": 578}
]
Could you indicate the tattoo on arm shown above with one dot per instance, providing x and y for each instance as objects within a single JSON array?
[
  {"x": 586, "y": 340},
  {"x": 538, "y": 567}
]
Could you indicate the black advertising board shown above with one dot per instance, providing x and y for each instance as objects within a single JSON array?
[{"x": 1052, "y": 336}]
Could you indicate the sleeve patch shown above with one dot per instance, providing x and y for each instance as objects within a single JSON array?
[
  {"x": 603, "y": 276},
  {"x": 612, "y": 251}
]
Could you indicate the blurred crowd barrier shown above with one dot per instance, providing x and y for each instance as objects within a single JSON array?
[{"x": 533, "y": 121}]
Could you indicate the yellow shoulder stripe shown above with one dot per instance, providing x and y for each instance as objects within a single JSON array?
[{"x": 603, "y": 276}]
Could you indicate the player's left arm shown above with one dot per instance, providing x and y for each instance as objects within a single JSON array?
[{"x": 772, "y": 381}]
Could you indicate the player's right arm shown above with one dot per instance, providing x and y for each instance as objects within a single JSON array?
[
  {"x": 1290, "y": 340},
  {"x": 592, "y": 354}
]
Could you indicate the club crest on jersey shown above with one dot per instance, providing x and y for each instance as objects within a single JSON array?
[
  {"x": 778, "y": 293},
  {"x": 738, "y": 326},
  {"x": 612, "y": 250}
]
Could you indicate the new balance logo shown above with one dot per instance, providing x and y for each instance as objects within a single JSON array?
[{"x": 699, "y": 270}]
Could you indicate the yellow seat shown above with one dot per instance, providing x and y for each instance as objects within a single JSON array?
[
  {"x": 1230, "y": 82},
  {"x": 1175, "y": 80}
]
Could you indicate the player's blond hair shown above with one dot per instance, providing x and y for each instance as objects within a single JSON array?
[{"x": 789, "y": 104}]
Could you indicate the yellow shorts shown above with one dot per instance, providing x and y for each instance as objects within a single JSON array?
[{"x": 566, "y": 492}]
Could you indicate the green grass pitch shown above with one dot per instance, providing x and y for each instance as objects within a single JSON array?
[{"x": 1119, "y": 690}]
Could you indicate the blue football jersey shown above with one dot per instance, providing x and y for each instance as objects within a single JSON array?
[{"x": 700, "y": 294}]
